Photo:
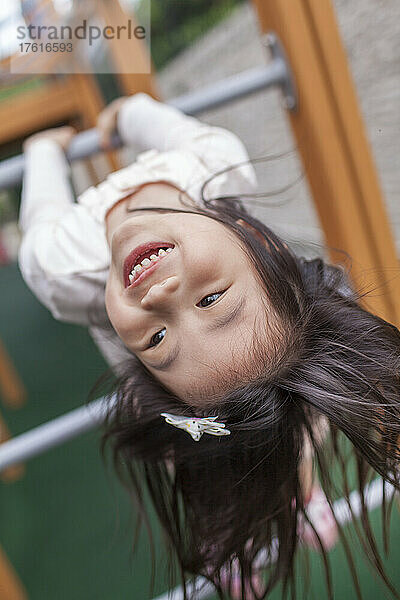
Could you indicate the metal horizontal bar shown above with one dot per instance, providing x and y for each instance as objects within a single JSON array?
[
  {"x": 53, "y": 433},
  {"x": 232, "y": 88}
]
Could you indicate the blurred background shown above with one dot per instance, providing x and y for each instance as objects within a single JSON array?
[{"x": 66, "y": 527}]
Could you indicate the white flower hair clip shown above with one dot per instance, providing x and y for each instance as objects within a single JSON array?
[{"x": 196, "y": 426}]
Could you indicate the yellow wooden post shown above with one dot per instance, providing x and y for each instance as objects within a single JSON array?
[
  {"x": 11, "y": 388},
  {"x": 334, "y": 149},
  {"x": 15, "y": 471},
  {"x": 130, "y": 57},
  {"x": 10, "y": 586}
]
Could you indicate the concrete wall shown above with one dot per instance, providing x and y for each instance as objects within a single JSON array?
[{"x": 370, "y": 31}]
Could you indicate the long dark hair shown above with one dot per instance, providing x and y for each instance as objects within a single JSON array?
[{"x": 224, "y": 500}]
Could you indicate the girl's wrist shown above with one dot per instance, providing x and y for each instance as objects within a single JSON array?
[{"x": 62, "y": 136}]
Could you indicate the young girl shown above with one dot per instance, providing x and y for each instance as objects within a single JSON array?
[{"x": 239, "y": 365}]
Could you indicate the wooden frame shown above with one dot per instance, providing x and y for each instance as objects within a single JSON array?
[
  {"x": 12, "y": 389},
  {"x": 128, "y": 63},
  {"x": 10, "y": 586},
  {"x": 333, "y": 146}
]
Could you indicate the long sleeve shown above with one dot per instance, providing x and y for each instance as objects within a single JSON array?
[
  {"x": 149, "y": 124},
  {"x": 153, "y": 125},
  {"x": 44, "y": 162},
  {"x": 64, "y": 256}
]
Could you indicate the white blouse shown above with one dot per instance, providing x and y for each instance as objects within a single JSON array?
[{"x": 64, "y": 257}]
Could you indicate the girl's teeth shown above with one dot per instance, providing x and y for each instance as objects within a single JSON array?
[{"x": 146, "y": 262}]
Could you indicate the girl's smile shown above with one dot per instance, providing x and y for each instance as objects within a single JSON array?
[{"x": 143, "y": 260}]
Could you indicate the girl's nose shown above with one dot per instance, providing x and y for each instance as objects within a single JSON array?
[{"x": 160, "y": 293}]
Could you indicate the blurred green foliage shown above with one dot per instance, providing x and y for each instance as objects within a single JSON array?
[
  {"x": 175, "y": 24},
  {"x": 26, "y": 85}
]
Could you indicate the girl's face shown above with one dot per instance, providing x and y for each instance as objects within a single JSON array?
[{"x": 191, "y": 318}]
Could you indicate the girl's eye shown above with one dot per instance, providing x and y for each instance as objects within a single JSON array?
[
  {"x": 157, "y": 337},
  {"x": 207, "y": 300}
]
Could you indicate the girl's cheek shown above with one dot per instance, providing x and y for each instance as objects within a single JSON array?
[
  {"x": 209, "y": 262},
  {"x": 111, "y": 301}
]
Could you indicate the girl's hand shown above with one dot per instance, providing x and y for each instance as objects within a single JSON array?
[
  {"x": 236, "y": 587},
  {"x": 61, "y": 135},
  {"x": 107, "y": 121}
]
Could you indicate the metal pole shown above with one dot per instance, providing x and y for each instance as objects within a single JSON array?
[
  {"x": 232, "y": 88},
  {"x": 276, "y": 73},
  {"x": 54, "y": 433}
]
